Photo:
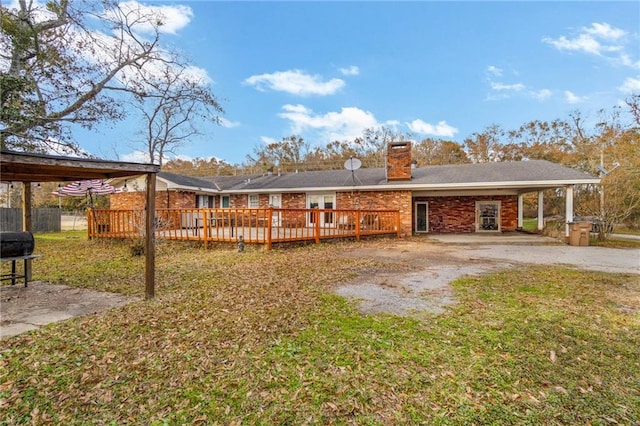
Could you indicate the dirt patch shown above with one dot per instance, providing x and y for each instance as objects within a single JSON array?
[
  {"x": 419, "y": 283},
  {"x": 27, "y": 308}
]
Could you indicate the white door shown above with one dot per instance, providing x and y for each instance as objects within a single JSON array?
[
  {"x": 321, "y": 202},
  {"x": 275, "y": 201}
]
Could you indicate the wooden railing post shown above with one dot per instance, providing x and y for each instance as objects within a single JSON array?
[
  {"x": 317, "y": 226},
  {"x": 90, "y": 223},
  {"x": 269, "y": 227},
  {"x": 205, "y": 228},
  {"x": 357, "y": 225},
  {"x": 398, "y": 224}
]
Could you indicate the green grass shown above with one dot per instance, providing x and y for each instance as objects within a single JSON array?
[
  {"x": 258, "y": 338},
  {"x": 530, "y": 225}
]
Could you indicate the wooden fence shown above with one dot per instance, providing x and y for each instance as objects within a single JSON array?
[
  {"x": 42, "y": 219},
  {"x": 263, "y": 226}
]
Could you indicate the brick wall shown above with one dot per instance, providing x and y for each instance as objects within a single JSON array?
[
  {"x": 164, "y": 199},
  {"x": 238, "y": 201},
  {"x": 294, "y": 200},
  {"x": 388, "y": 200},
  {"x": 458, "y": 214}
]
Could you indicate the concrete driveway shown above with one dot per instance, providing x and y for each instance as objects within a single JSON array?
[
  {"x": 540, "y": 250},
  {"x": 436, "y": 261}
]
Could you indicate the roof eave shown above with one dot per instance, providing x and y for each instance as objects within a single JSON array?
[{"x": 421, "y": 187}]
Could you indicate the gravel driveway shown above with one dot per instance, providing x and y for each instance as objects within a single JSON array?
[{"x": 433, "y": 265}]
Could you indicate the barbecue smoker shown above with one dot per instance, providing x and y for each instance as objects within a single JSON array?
[{"x": 15, "y": 246}]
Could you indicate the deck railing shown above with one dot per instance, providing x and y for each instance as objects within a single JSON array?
[{"x": 263, "y": 226}]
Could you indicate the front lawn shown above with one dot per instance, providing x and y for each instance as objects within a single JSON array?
[{"x": 258, "y": 338}]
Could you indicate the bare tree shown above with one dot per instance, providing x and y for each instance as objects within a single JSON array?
[
  {"x": 173, "y": 105},
  {"x": 64, "y": 64}
]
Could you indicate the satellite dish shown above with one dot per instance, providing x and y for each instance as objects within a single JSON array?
[{"x": 352, "y": 164}]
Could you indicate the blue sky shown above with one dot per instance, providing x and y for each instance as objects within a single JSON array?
[{"x": 328, "y": 70}]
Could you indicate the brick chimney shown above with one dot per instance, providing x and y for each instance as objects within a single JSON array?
[{"x": 399, "y": 161}]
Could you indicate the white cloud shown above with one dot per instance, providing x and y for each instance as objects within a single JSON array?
[
  {"x": 584, "y": 42},
  {"x": 630, "y": 85},
  {"x": 495, "y": 71},
  {"x": 441, "y": 129},
  {"x": 605, "y": 31},
  {"x": 352, "y": 70},
  {"x": 509, "y": 87},
  {"x": 172, "y": 18},
  {"x": 295, "y": 82},
  {"x": 542, "y": 95},
  {"x": 135, "y": 157},
  {"x": 267, "y": 140},
  {"x": 600, "y": 39},
  {"x": 347, "y": 124},
  {"x": 626, "y": 60},
  {"x": 572, "y": 98},
  {"x": 228, "y": 123}
]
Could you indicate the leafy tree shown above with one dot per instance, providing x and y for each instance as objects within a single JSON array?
[
  {"x": 485, "y": 146},
  {"x": 67, "y": 64},
  {"x": 200, "y": 167},
  {"x": 285, "y": 154},
  {"x": 542, "y": 140},
  {"x": 430, "y": 152}
]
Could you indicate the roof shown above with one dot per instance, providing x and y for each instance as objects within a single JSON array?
[
  {"x": 532, "y": 174},
  {"x": 187, "y": 181},
  {"x": 30, "y": 167}
]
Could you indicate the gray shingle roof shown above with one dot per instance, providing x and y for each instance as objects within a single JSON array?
[
  {"x": 188, "y": 181},
  {"x": 422, "y": 177}
]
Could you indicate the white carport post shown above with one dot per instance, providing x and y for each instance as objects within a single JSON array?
[
  {"x": 568, "y": 209},
  {"x": 520, "y": 207},
  {"x": 540, "y": 210}
]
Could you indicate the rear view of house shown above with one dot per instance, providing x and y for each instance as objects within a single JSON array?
[{"x": 462, "y": 198}]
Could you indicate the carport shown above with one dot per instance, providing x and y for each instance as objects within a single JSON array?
[{"x": 30, "y": 168}]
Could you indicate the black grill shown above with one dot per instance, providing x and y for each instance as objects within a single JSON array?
[{"x": 16, "y": 244}]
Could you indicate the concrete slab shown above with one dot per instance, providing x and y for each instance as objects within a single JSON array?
[
  {"x": 26, "y": 308},
  {"x": 494, "y": 238}
]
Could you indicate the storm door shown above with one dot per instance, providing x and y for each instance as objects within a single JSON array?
[{"x": 421, "y": 216}]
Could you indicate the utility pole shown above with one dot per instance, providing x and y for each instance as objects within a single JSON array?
[{"x": 601, "y": 187}]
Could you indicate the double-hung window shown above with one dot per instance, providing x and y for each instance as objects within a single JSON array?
[{"x": 254, "y": 201}]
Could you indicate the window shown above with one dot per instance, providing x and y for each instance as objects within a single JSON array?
[
  {"x": 254, "y": 201},
  {"x": 205, "y": 201},
  {"x": 224, "y": 201},
  {"x": 275, "y": 200},
  {"x": 488, "y": 216}
]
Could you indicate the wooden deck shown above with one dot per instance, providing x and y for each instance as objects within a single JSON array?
[{"x": 261, "y": 226}]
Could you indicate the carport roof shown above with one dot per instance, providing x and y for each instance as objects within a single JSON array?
[{"x": 30, "y": 167}]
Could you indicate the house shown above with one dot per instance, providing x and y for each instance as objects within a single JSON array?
[{"x": 485, "y": 197}]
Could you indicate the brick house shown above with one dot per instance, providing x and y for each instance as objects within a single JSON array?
[{"x": 485, "y": 197}]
